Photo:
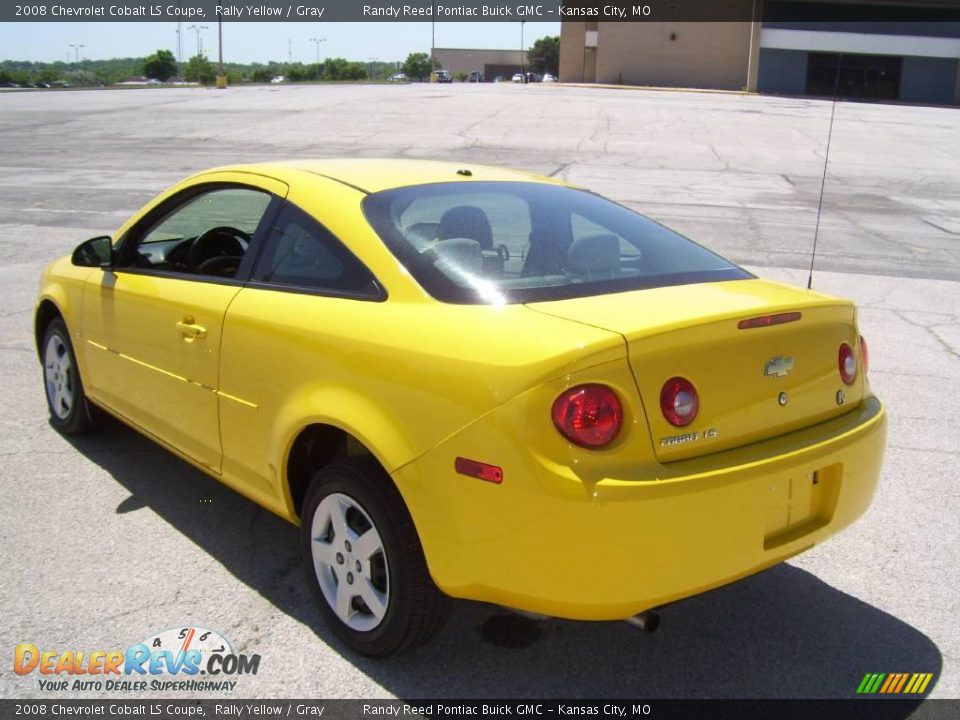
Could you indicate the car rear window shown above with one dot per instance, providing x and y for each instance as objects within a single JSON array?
[{"x": 515, "y": 242}]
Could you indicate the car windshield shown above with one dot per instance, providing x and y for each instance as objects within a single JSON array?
[{"x": 516, "y": 242}]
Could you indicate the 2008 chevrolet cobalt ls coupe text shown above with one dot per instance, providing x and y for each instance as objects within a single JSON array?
[{"x": 469, "y": 382}]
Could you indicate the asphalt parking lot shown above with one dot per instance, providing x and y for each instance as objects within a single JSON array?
[{"x": 107, "y": 539}]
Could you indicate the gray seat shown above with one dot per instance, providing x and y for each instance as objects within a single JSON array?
[
  {"x": 459, "y": 256},
  {"x": 466, "y": 221},
  {"x": 597, "y": 257}
]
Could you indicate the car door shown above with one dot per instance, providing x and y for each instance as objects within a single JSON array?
[
  {"x": 153, "y": 321},
  {"x": 288, "y": 329}
]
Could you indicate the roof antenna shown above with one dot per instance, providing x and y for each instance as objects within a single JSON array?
[{"x": 826, "y": 160}]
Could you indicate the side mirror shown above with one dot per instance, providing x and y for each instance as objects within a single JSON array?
[{"x": 95, "y": 252}]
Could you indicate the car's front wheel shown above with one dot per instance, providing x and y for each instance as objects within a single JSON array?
[
  {"x": 364, "y": 562},
  {"x": 69, "y": 411}
]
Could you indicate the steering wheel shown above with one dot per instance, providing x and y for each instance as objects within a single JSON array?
[
  {"x": 219, "y": 241},
  {"x": 220, "y": 265}
]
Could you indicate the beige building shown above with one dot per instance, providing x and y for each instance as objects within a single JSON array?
[
  {"x": 489, "y": 63},
  {"x": 906, "y": 50},
  {"x": 720, "y": 55}
]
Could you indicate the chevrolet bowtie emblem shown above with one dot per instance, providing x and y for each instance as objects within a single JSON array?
[{"x": 778, "y": 366}]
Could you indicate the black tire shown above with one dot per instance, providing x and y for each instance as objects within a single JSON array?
[
  {"x": 414, "y": 608},
  {"x": 70, "y": 413}
]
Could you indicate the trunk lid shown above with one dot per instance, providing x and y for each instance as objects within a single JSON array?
[{"x": 752, "y": 383}]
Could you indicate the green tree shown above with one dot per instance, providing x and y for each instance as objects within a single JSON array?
[
  {"x": 83, "y": 78},
  {"x": 334, "y": 69},
  {"x": 263, "y": 74},
  {"x": 544, "y": 55},
  {"x": 200, "y": 70},
  {"x": 355, "y": 71},
  {"x": 295, "y": 72},
  {"x": 162, "y": 65},
  {"x": 462, "y": 76},
  {"x": 342, "y": 69},
  {"x": 417, "y": 65}
]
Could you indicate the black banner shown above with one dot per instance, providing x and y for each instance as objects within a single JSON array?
[
  {"x": 474, "y": 10},
  {"x": 874, "y": 708}
]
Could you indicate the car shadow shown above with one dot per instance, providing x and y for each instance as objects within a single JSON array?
[{"x": 783, "y": 633}]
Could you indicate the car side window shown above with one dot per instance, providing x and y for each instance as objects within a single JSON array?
[
  {"x": 300, "y": 253},
  {"x": 207, "y": 234}
]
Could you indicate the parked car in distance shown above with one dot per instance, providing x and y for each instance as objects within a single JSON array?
[
  {"x": 517, "y": 78},
  {"x": 398, "y": 78},
  {"x": 278, "y": 80},
  {"x": 443, "y": 76},
  {"x": 548, "y": 78},
  {"x": 476, "y": 77},
  {"x": 616, "y": 417}
]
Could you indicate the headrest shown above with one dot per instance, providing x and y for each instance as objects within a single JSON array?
[
  {"x": 594, "y": 253},
  {"x": 466, "y": 221}
]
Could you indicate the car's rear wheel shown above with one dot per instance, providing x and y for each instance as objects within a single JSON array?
[
  {"x": 364, "y": 561},
  {"x": 69, "y": 410}
]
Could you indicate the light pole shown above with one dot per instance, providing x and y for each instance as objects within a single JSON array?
[
  {"x": 433, "y": 38},
  {"x": 198, "y": 28},
  {"x": 370, "y": 62},
  {"x": 221, "y": 78},
  {"x": 523, "y": 65},
  {"x": 76, "y": 49},
  {"x": 317, "y": 41}
]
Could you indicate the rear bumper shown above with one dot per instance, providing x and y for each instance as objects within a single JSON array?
[{"x": 550, "y": 541}]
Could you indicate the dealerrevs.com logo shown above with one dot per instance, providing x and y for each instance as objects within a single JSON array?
[{"x": 187, "y": 659}]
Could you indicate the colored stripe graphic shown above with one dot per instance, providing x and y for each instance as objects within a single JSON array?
[
  {"x": 870, "y": 683},
  {"x": 918, "y": 683},
  {"x": 903, "y": 679},
  {"x": 891, "y": 680},
  {"x": 894, "y": 683}
]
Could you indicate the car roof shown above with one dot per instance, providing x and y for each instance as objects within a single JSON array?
[{"x": 371, "y": 175}]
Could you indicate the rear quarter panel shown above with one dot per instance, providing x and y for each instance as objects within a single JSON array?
[{"x": 398, "y": 376}]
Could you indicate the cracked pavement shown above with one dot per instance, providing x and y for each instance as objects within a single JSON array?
[{"x": 107, "y": 539}]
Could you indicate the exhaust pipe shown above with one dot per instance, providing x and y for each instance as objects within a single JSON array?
[{"x": 647, "y": 622}]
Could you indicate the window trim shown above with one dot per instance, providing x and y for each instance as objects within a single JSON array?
[
  {"x": 380, "y": 293},
  {"x": 134, "y": 236}
]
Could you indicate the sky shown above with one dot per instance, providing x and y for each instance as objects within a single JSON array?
[{"x": 259, "y": 42}]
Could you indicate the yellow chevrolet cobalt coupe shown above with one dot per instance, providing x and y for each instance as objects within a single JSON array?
[{"x": 468, "y": 382}]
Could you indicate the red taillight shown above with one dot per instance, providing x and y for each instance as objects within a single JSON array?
[
  {"x": 477, "y": 469},
  {"x": 847, "y": 362},
  {"x": 588, "y": 415},
  {"x": 679, "y": 401},
  {"x": 864, "y": 355}
]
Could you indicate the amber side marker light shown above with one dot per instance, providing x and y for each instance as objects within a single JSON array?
[
  {"x": 768, "y": 320},
  {"x": 483, "y": 471}
]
